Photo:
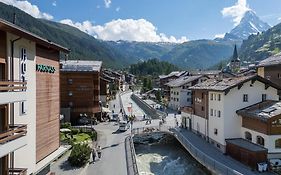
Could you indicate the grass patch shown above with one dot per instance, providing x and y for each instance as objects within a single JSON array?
[{"x": 77, "y": 138}]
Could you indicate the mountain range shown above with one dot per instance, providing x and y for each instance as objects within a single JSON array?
[{"x": 197, "y": 54}]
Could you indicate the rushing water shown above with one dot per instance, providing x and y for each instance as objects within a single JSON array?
[{"x": 166, "y": 159}]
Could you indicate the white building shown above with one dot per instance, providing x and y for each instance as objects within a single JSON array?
[
  {"x": 29, "y": 132},
  {"x": 224, "y": 98},
  {"x": 180, "y": 95}
]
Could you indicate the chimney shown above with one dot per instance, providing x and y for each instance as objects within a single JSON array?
[{"x": 14, "y": 18}]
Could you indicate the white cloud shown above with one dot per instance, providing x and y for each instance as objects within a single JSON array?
[
  {"x": 54, "y": 3},
  {"x": 27, "y": 7},
  {"x": 236, "y": 11},
  {"x": 221, "y": 35},
  {"x": 117, "y": 9},
  {"x": 127, "y": 29},
  {"x": 107, "y": 3}
]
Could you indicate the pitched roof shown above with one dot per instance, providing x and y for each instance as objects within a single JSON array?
[
  {"x": 270, "y": 61},
  {"x": 262, "y": 111},
  {"x": 16, "y": 30},
  {"x": 174, "y": 73},
  {"x": 243, "y": 143},
  {"x": 81, "y": 66},
  {"x": 183, "y": 80},
  {"x": 229, "y": 83}
]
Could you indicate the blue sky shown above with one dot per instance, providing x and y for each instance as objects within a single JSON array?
[{"x": 151, "y": 20}]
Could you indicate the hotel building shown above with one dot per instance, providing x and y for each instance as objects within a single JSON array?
[{"x": 29, "y": 100}]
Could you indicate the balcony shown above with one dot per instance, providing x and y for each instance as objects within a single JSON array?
[
  {"x": 18, "y": 171},
  {"x": 11, "y": 92},
  {"x": 12, "y": 139}
]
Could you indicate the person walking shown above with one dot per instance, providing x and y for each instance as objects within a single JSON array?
[
  {"x": 99, "y": 151},
  {"x": 94, "y": 154}
]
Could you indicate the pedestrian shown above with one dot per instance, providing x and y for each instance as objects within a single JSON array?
[
  {"x": 99, "y": 151},
  {"x": 114, "y": 106},
  {"x": 94, "y": 154},
  {"x": 143, "y": 117}
]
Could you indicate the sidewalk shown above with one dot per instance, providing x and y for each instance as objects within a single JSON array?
[{"x": 213, "y": 153}]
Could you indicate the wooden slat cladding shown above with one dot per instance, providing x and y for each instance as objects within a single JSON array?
[
  {"x": 79, "y": 90},
  {"x": 255, "y": 125},
  {"x": 47, "y": 104},
  {"x": 200, "y": 105}
]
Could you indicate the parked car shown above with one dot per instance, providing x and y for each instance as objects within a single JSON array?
[{"x": 123, "y": 126}]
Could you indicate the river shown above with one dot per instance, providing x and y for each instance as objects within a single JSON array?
[{"x": 168, "y": 158}]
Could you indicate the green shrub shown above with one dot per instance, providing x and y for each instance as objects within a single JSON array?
[
  {"x": 65, "y": 125},
  {"x": 93, "y": 135},
  {"x": 74, "y": 131},
  {"x": 80, "y": 155}
]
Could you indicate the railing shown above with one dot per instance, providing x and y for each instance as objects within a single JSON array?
[
  {"x": 204, "y": 159},
  {"x": 18, "y": 171},
  {"x": 151, "y": 129},
  {"x": 11, "y": 86},
  {"x": 13, "y": 133},
  {"x": 132, "y": 168}
]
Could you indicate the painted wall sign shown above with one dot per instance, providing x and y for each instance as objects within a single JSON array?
[{"x": 45, "y": 68}]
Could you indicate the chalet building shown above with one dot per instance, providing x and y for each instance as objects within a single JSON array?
[
  {"x": 213, "y": 114},
  {"x": 164, "y": 79},
  {"x": 80, "y": 89},
  {"x": 270, "y": 69},
  {"x": 261, "y": 124},
  {"x": 118, "y": 78},
  {"x": 29, "y": 101},
  {"x": 180, "y": 95}
]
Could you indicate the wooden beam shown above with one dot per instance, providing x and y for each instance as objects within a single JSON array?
[
  {"x": 267, "y": 86},
  {"x": 253, "y": 80},
  {"x": 226, "y": 91}
]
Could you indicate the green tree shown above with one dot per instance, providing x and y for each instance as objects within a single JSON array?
[
  {"x": 80, "y": 155},
  {"x": 158, "y": 96}
]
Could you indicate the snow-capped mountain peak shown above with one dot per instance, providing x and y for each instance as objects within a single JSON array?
[{"x": 249, "y": 24}]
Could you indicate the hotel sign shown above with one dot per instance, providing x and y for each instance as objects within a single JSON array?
[{"x": 45, "y": 68}]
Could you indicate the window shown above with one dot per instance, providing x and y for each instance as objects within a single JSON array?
[
  {"x": 188, "y": 93},
  {"x": 279, "y": 75},
  {"x": 219, "y": 97},
  {"x": 248, "y": 136},
  {"x": 212, "y": 96},
  {"x": 70, "y": 81},
  {"x": 215, "y": 112},
  {"x": 70, "y": 93},
  {"x": 216, "y": 131},
  {"x": 202, "y": 108},
  {"x": 260, "y": 140},
  {"x": 212, "y": 112},
  {"x": 188, "y": 99},
  {"x": 177, "y": 99},
  {"x": 263, "y": 98},
  {"x": 245, "y": 97},
  {"x": 215, "y": 96},
  {"x": 278, "y": 143},
  {"x": 202, "y": 95},
  {"x": 219, "y": 113},
  {"x": 177, "y": 93},
  {"x": 22, "y": 108}
]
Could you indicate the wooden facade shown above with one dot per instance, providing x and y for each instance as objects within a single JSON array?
[
  {"x": 246, "y": 156},
  {"x": 47, "y": 103},
  {"x": 200, "y": 103},
  {"x": 80, "y": 92},
  {"x": 265, "y": 127},
  {"x": 272, "y": 73}
]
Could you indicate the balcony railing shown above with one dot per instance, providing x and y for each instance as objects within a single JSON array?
[
  {"x": 13, "y": 133},
  {"x": 11, "y": 86},
  {"x": 12, "y": 91},
  {"x": 18, "y": 171}
]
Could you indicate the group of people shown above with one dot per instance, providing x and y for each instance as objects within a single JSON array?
[{"x": 96, "y": 152}]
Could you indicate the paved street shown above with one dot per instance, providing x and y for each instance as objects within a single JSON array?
[
  {"x": 113, "y": 159},
  {"x": 128, "y": 102}
]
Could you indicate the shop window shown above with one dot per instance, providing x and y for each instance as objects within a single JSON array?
[
  {"x": 248, "y": 136},
  {"x": 278, "y": 143},
  {"x": 260, "y": 140}
]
